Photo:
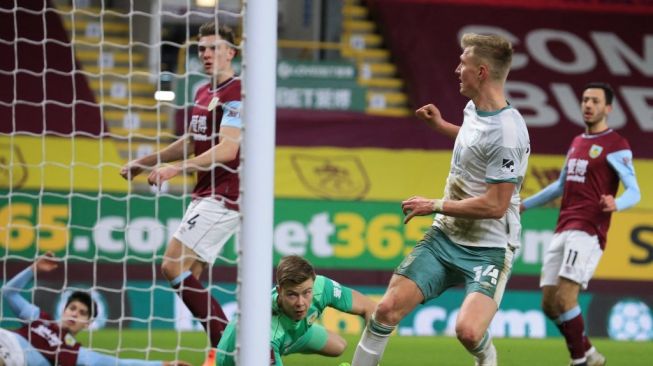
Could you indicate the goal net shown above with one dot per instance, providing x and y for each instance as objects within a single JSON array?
[{"x": 88, "y": 85}]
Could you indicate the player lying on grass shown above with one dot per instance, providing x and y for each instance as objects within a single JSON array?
[
  {"x": 298, "y": 301},
  {"x": 43, "y": 341}
]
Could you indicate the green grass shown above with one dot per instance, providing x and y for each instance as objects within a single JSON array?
[{"x": 401, "y": 351}]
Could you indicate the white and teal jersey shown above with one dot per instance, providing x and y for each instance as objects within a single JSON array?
[{"x": 491, "y": 147}]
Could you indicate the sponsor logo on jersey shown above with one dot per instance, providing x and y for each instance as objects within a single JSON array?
[
  {"x": 576, "y": 170},
  {"x": 508, "y": 166},
  {"x": 311, "y": 318},
  {"x": 595, "y": 151},
  {"x": 233, "y": 112},
  {"x": 46, "y": 333},
  {"x": 337, "y": 290},
  {"x": 69, "y": 340},
  {"x": 214, "y": 103}
]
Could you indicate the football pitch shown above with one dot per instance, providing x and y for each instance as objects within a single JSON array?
[{"x": 401, "y": 351}]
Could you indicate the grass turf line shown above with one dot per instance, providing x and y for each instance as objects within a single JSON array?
[{"x": 401, "y": 351}]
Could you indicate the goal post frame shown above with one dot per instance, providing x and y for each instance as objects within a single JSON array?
[{"x": 257, "y": 186}]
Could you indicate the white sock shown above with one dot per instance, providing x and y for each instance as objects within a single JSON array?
[
  {"x": 372, "y": 344},
  {"x": 483, "y": 347}
]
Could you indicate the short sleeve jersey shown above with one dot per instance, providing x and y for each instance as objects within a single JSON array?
[
  {"x": 491, "y": 147},
  {"x": 588, "y": 175},
  {"x": 55, "y": 344},
  {"x": 213, "y": 109},
  {"x": 286, "y": 331}
]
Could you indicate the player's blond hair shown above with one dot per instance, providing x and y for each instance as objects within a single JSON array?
[
  {"x": 494, "y": 50},
  {"x": 294, "y": 270}
]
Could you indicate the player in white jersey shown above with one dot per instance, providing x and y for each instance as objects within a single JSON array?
[{"x": 477, "y": 226}]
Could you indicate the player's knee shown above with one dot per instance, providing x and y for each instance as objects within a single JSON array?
[
  {"x": 549, "y": 308},
  {"x": 387, "y": 312},
  {"x": 170, "y": 269},
  {"x": 469, "y": 335},
  {"x": 563, "y": 303}
]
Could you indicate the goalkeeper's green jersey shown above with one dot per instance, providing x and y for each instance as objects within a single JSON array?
[{"x": 287, "y": 335}]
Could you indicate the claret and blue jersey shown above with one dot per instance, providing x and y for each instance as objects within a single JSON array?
[{"x": 594, "y": 166}]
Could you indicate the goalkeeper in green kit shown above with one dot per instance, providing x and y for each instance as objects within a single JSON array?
[{"x": 298, "y": 301}]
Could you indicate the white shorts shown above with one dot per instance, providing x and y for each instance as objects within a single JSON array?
[
  {"x": 206, "y": 227},
  {"x": 11, "y": 353},
  {"x": 572, "y": 254}
]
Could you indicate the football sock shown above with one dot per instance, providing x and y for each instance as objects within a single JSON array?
[
  {"x": 588, "y": 345},
  {"x": 572, "y": 327},
  {"x": 372, "y": 344},
  {"x": 202, "y": 305},
  {"x": 481, "y": 349}
]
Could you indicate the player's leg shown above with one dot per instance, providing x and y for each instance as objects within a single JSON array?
[
  {"x": 580, "y": 258},
  {"x": 472, "y": 324},
  {"x": 11, "y": 351},
  {"x": 419, "y": 277},
  {"x": 205, "y": 228},
  {"x": 401, "y": 297},
  {"x": 335, "y": 345},
  {"x": 486, "y": 272}
]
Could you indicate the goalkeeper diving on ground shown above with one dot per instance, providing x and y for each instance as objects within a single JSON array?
[{"x": 298, "y": 301}]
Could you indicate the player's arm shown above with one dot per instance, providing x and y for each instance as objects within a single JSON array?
[
  {"x": 21, "y": 307},
  {"x": 225, "y": 151},
  {"x": 622, "y": 163},
  {"x": 491, "y": 205},
  {"x": 344, "y": 298},
  {"x": 432, "y": 116},
  {"x": 362, "y": 305},
  {"x": 87, "y": 357},
  {"x": 178, "y": 150},
  {"x": 549, "y": 193}
]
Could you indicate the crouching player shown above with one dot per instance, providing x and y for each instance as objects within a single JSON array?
[
  {"x": 298, "y": 301},
  {"x": 44, "y": 342}
]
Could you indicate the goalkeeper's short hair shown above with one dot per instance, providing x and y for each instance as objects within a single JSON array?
[{"x": 294, "y": 270}]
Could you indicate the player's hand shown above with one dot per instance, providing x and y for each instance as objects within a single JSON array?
[
  {"x": 607, "y": 203},
  {"x": 522, "y": 208},
  {"x": 429, "y": 114},
  {"x": 176, "y": 363},
  {"x": 162, "y": 174},
  {"x": 130, "y": 170},
  {"x": 416, "y": 206},
  {"x": 46, "y": 263}
]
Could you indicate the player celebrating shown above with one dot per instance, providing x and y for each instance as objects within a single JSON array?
[
  {"x": 44, "y": 342},
  {"x": 298, "y": 301},
  {"x": 477, "y": 226},
  {"x": 212, "y": 217},
  {"x": 588, "y": 182}
]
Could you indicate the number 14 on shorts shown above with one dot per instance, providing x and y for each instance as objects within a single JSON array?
[{"x": 486, "y": 271}]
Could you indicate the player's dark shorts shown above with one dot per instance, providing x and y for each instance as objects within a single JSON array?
[{"x": 436, "y": 264}]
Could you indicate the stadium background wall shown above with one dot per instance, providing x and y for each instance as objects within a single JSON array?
[{"x": 351, "y": 229}]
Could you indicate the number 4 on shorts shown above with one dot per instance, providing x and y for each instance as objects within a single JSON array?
[{"x": 192, "y": 221}]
